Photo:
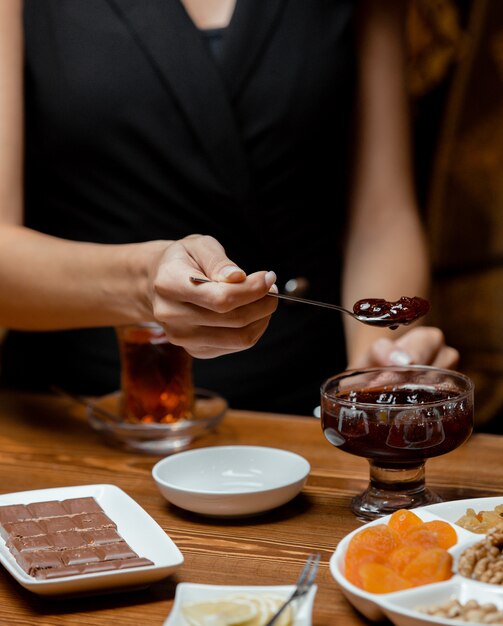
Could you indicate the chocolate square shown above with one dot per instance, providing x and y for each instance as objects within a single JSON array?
[
  {"x": 82, "y": 505},
  {"x": 29, "y": 544},
  {"x": 58, "y": 524},
  {"x": 28, "y": 528},
  {"x": 69, "y": 539},
  {"x": 79, "y": 556},
  {"x": 50, "y": 508},
  {"x": 58, "y": 572},
  {"x": 32, "y": 562},
  {"x": 14, "y": 513},
  {"x": 101, "y": 535},
  {"x": 92, "y": 521},
  {"x": 117, "y": 550},
  {"x": 100, "y": 566}
]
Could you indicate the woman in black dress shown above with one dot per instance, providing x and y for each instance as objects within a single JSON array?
[{"x": 276, "y": 130}]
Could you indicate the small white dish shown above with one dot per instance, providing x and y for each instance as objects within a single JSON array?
[
  {"x": 401, "y": 606},
  {"x": 135, "y": 525},
  {"x": 187, "y": 593},
  {"x": 231, "y": 481}
]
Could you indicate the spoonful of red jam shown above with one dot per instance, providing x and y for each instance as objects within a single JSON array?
[
  {"x": 372, "y": 311},
  {"x": 391, "y": 314}
]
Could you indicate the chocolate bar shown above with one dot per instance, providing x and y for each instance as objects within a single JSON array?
[{"x": 65, "y": 538}]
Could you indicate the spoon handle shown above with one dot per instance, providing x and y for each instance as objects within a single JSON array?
[
  {"x": 283, "y": 296},
  {"x": 87, "y": 403}
]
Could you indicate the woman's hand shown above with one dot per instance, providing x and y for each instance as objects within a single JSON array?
[
  {"x": 423, "y": 345},
  {"x": 209, "y": 319}
]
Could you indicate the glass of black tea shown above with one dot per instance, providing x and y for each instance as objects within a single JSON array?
[
  {"x": 156, "y": 376},
  {"x": 396, "y": 418}
]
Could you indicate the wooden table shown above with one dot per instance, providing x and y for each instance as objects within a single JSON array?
[{"x": 46, "y": 442}]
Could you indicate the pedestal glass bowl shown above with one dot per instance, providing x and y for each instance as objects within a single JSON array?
[{"x": 397, "y": 418}]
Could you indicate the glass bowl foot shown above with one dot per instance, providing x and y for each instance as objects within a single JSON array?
[
  {"x": 391, "y": 489},
  {"x": 374, "y": 503}
]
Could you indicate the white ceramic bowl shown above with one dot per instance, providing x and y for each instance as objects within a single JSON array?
[
  {"x": 231, "y": 480},
  {"x": 401, "y": 606}
]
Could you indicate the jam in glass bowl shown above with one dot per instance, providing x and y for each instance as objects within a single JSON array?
[{"x": 396, "y": 418}]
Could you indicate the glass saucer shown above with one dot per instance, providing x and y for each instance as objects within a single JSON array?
[{"x": 154, "y": 438}]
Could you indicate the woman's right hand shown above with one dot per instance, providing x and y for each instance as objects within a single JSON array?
[{"x": 227, "y": 315}]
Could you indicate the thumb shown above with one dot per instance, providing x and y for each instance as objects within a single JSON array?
[{"x": 228, "y": 272}]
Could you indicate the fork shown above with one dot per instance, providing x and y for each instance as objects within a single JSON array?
[{"x": 304, "y": 583}]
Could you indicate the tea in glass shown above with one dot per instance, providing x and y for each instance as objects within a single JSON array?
[{"x": 156, "y": 376}]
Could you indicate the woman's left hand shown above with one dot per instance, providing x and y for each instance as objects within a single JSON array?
[{"x": 423, "y": 345}]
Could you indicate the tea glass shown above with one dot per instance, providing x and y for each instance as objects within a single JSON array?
[
  {"x": 156, "y": 376},
  {"x": 396, "y": 418}
]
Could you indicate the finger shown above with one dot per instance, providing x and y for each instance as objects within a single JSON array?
[
  {"x": 186, "y": 315},
  {"x": 224, "y": 297},
  {"x": 422, "y": 344},
  {"x": 209, "y": 342},
  {"x": 385, "y": 352},
  {"x": 210, "y": 256},
  {"x": 447, "y": 358}
]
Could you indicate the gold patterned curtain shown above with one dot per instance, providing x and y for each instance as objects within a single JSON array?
[{"x": 463, "y": 190}]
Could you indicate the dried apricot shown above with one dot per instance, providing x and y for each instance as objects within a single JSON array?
[
  {"x": 421, "y": 537},
  {"x": 446, "y": 535},
  {"x": 401, "y": 557},
  {"x": 356, "y": 556},
  {"x": 377, "y": 578},
  {"x": 430, "y": 566},
  {"x": 403, "y": 519},
  {"x": 380, "y": 538},
  {"x": 370, "y": 545}
]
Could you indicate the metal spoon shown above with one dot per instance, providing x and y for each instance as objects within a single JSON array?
[
  {"x": 108, "y": 415},
  {"x": 384, "y": 320}
]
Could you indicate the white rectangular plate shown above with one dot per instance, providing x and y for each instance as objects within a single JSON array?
[
  {"x": 136, "y": 526},
  {"x": 192, "y": 592}
]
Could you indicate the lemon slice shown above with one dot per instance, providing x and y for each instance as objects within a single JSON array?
[
  {"x": 274, "y": 602},
  {"x": 239, "y": 609},
  {"x": 221, "y": 612},
  {"x": 262, "y": 615}
]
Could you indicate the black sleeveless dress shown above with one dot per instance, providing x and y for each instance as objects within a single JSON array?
[{"x": 136, "y": 131}]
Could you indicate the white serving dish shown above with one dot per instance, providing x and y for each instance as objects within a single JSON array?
[
  {"x": 189, "y": 592},
  {"x": 231, "y": 480},
  {"x": 400, "y": 606},
  {"x": 135, "y": 525}
]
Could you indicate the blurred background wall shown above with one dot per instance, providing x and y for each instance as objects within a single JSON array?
[{"x": 456, "y": 85}]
